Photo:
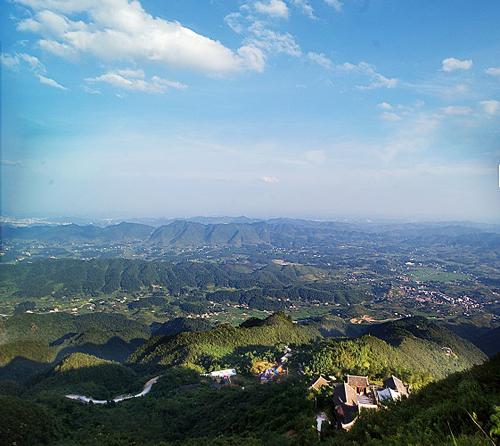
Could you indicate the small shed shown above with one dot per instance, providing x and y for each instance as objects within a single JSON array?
[{"x": 223, "y": 373}]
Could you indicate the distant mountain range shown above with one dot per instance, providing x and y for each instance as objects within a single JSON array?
[{"x": 243, "y": 231}]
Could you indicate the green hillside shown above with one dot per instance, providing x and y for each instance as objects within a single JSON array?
[
  {"x": 414, "y": 349},
  {"x": 70, "y": 277},
  {"x": 462, "y": 409},
  {"x": 214, "y": 348},
  {"x": 179, "y": 325},
  {"x": 185, "y": 233},
  {"x": 28, "y": 342},
  {"x": 261, "y": 287},
  {"x": 186, "y": 409},
  {"x": 87, "y": 375},
  {"x": 395, "y": 332},
  {"x": 70, "y": 233}
]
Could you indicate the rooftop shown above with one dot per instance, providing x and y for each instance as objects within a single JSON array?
[{"x": 357, "y": 381}]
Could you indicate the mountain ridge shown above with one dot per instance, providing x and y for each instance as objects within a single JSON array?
[{"x": 241, "y": 232}]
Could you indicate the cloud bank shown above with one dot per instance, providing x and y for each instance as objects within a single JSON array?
[{"x": 120, "y": 30}]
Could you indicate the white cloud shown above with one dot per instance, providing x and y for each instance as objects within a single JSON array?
[
  {"x": 335, "y": 4},
  {"x": 390, "y": 116},
  {"x": 18, "y": 61},
  {"x": 413, "y": 136},
  {"x": 123, "y": 30},
  {"x": 32, "y": 61},
  {"x": 272, "y": 41},
  {"x": 454, "y": 91},
  {"x": 254, "y": 57},
  {"x": 320, "y": 59},
  {"x": 235, "y": 21},
  {"x": 9, "y": 61},
  {"x": 441, "y": 88},
  {"x": 14, "y": 62},
  {"x": 456, "y": 110},
  {"x": 59, "y": 49},
  {"x": 134, "y": 80},
  {"x": 493, "y": 71},
  {"x": 273, "y": 8},
  {"x": 130, "y": 72},
  {"x": 50, "y": 82},
  {"x": 377, "y": 80},
  {"x": 270, "y": 179},
  {"x": 260, "y": 40},
  {"x": 305, "y": 7},
  {"x": 452, "y": 64},
  {"x": 384, "y": 106},
  {"x": 89, "y": 90},
  {"x": 491, "y": 106}
]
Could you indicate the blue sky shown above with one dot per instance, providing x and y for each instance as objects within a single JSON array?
[{"x": 300, "y": 108}]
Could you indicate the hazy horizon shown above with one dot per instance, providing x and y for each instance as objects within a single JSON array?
[
  {"x": 318, "y": 109},
  {"x": 206, "y": 219}
]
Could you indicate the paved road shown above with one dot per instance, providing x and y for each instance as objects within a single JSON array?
[{"x": 88, "y": 399}]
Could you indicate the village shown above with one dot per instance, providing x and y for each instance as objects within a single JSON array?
[{"x": 348, "y": 399}]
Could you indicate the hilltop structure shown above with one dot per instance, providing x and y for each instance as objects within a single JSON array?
[{"x": 356, "y": 394}]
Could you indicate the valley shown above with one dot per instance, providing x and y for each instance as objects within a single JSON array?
[{"x": 203, "y": 313}]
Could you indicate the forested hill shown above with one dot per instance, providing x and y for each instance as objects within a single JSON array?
[
  {"x": 186, "y": 409},
  {"x": 69, "y": 277},
  {"x": 416, "y": 350},
  {"x": 30, "y": 342},
  {"x": 400, "y": 331},
  {"x": 76, "y": 233},
  {"x": 184, "y": 233},
  {"x": 224, "y": 345},
  {"x": 461, "y": 410},
  {"x": 277, "y": 232},
  {"x": 430, "y": 353}
]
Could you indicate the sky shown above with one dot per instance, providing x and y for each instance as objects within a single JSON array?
[{"x": 319, "y": 109}]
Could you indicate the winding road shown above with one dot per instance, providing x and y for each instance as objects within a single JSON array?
[{"x": 88, "y": 399}]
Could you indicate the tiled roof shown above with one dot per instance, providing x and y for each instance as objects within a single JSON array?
[
  {"x": 396, "y": 384},
  {"x": 344, "y": 393},
  {"x": 357, "y": 381},
  {"x": 320, "y": 382}
]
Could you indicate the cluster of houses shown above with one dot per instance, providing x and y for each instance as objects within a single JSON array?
[
  {"x": 271, "y": 373},
  {"x": 277, "y": 370},
  {"x": 357, "y": 394}
]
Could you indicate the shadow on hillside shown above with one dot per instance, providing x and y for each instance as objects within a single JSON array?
[
  {"x": 101, "y": 381},
  {"x": 63, "y": 339},
  {"x": 21, "y": 369},
  {"x": 344, "y": 332},
  {"x": 115, "y": 349}
]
